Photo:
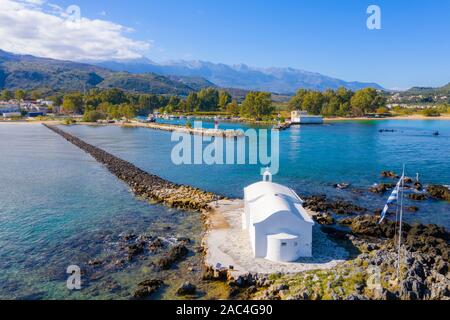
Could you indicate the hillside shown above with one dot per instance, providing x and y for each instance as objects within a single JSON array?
[
  {"x": 49, "y": 75},
  {"x": 429, "y": 90}
]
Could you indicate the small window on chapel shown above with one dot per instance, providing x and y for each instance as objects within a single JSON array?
[{"x": 283, "y": 244}]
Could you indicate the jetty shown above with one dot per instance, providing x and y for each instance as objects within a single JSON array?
[
  {"x": 229, "y": 133},
  {"x": 145, "y": 185}
]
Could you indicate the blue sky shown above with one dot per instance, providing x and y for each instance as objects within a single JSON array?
[{"x": 329, "y": 37}]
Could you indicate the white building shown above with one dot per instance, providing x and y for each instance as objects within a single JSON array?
[
  {"x": 279, "y": 227},
  {"x": 302, "y": 117}
]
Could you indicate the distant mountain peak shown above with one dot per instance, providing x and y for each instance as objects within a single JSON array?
[{"x": 242, "y": 76}]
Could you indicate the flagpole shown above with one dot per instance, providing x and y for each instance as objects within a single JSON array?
[{"x": 400, "y": 226}]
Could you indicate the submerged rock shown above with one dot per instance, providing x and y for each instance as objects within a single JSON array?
[
  {"x": 176, "y": 253},
  {"x": 390, "y": 174},
  {"x": 417, "y": 196},
  {"x": 147, "y": 288},
  {"x": 186, "y": 288}
]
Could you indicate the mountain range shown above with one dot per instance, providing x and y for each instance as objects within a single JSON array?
[
  {"x": 276, "y": 80},
  {"x": 145, "y": 76}
]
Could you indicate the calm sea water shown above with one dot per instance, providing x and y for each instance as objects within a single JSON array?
[{"x": 60, "y": 207}]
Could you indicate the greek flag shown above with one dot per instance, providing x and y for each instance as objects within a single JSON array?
[{"x": 393, "y": 198}]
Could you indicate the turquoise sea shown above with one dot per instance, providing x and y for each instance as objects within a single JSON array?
[{"x": 59, "y": 207}]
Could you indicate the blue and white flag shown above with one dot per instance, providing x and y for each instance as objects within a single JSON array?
[{"x": 393, "y": 198}]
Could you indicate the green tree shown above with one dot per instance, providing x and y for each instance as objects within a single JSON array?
[
  {"x": 366, "y": 101},
  {"x": 257, "y": 104},
  {"x": 73, "y": 103},
  {"x": 6, "y": 95},
  {"x": 192, "y": 102},
  {"x": 312, "y": 102},
  {"x": 224, "y": 99},
  {"x": 208, "y": 99},
  {"x": 93, "y": 116},
  {"x": 233, "y": 108},
  {"x": 20, "y": 94},
  {"x": 296, "y": 101}
]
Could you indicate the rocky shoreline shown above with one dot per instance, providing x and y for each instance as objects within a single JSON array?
[{"x": 144, "y": 185}]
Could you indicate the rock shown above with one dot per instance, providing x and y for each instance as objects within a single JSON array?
[
  {"x": 439, "y": 192},
  {"x": 412, "y": 209},
  {"x": 147, "y": 288},
  {"x": 176, "y": 253},
  {"x": 186, "y": 288},
  {"x": 413, "y": 289},
  {"x": 135, "y": 249},
  {"x": 417, "y": 196},
  {"x": 324, "y": 218},
  {"x": 381, "y": 188},
  {"x": 442, "y": 267},
  {"x": 389, "y": 174},
  {"x": 356, "y": 297},
  {"x": 418, "y": 186},
  {"x": 95, "y": 262}
]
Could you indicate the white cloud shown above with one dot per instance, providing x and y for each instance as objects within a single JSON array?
[{"x": 47, "y": 30}]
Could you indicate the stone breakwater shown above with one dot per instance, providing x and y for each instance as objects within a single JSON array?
[{"x": 143, "y": 184}]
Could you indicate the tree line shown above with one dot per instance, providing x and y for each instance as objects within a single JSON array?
[
  {"x": 340, "y": 102},
  {"x": 98, "y": 104}
]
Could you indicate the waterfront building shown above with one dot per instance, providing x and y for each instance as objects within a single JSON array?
[
  {"x": 302, "y": 117},
  {"x": 279, "y": 227}
]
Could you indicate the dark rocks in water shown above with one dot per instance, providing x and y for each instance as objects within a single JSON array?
[
  {"x": 135, "y": 249},
  {"x": 187, "y": 288},
  {"x": 381, "y": 188},
  {"x": 418, "y": 186},
  {"x": 95, "y": 262},
  {"x": 176, "y": 253},
  {"x": 387, "y": 130},
  {"x": 417, "y": 196},
  {"x": 147, "y": 288},
  {"x": 321, "y": 204},
  {"x": 390, "y": 174},
  {"x": 439, "y": 192},
  {"x": 324, "y": 218},
  {"x": 407, "y": 180},
  {"x": 143, "y": 184},
  {"x": 412, "y": 209},
  {"x": 341, "y": 185},
  {"x": 155, "y": 245}
]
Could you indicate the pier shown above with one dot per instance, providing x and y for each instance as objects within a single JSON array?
[{"x": 145, "y": 185}]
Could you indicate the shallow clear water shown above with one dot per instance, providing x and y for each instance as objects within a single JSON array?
[{"x": 59, "y": 207}]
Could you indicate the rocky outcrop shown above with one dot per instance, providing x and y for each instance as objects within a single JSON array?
[
  {"x": 321, "y": 204},
  {"x": 439, "y": 192},
  {"x": 143, "y": 184},
  {"x": 424, "y": 272}
]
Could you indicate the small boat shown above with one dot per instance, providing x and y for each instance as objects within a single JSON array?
[{"x": 436, "y": 133}]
